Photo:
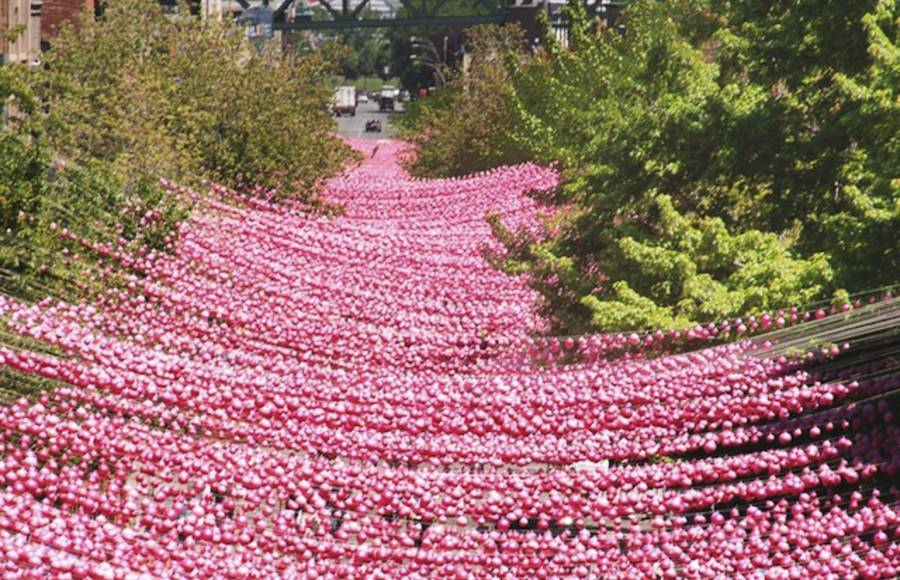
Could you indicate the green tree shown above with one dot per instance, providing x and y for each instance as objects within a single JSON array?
[
  {"x": 138, "y": 95},
  {"x": 170, "y": 95},
  {"x": 769, "y": 133},
  {"x": 364, "y": 51},
  {"x": 456, "y": 131},
  {"x": 746, "y": 119}
]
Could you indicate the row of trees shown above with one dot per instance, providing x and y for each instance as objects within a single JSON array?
[
  {"x": 139, "y": 94},
  {"x": 720, "y": 157},
  {"x": 416, "y": 55}
]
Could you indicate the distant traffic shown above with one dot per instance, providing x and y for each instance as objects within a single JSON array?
[{"x": 347, "y": 98}]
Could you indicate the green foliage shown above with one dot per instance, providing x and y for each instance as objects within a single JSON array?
[
  {"x": 365, "y": 52},
  {"x": 697, "y": 270},
  {"x": 41, "y": 200},
  {"x": 21, "y": 169},
  {"x": 139, "y": 95},
  {"x": 720, "y": 158},
  {"x": 455, "y": 131},
  {"x": 866, "y": 218},
  {"x": 420, "y": 53},
  {"x": 832, "y": 97},
  {"x": 170, "y": 95}
]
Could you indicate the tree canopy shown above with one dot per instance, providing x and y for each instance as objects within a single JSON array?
[{"x": 720, "y": 158}]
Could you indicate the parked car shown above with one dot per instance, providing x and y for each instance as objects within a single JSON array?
[
  {"x": 362, "y": 98},
  {"x": 403, "y": 96},
  {"x": 344, "y": 101}
]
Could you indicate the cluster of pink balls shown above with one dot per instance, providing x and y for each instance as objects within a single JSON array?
[{"x": 291, "y": 395}]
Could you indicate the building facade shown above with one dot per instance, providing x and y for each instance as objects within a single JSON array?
[
  {"x": 57, "y": 13},
  {"x": 23, "y": 18},
  {"x": 36, "y": 23}
]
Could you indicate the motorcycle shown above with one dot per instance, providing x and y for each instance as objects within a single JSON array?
[{"x": 373, "y": 126}]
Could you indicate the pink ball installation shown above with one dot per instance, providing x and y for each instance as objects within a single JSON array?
[{"x": 292, "y": 395}]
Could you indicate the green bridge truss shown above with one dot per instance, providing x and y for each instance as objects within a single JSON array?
[{"x": 418, "y": 13}]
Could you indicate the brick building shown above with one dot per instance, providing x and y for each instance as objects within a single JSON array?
[{"x": 56, "y": 13}]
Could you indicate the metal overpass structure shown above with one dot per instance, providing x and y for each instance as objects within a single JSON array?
[{"x": 295, "y": 15}]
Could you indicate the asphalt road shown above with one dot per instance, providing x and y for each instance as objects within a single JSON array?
[{"x": 356, "y": 126}]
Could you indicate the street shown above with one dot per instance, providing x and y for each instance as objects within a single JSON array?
[{"x": 356, "y": 126}]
